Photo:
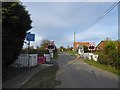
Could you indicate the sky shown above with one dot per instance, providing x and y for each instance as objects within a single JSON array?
[{"x": 58, "y": 20}]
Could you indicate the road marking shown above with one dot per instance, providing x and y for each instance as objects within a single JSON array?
[{"x": 26, "y": 80}]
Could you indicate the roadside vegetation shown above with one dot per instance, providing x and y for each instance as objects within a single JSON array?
[
  {"x": 72, "y": 52},
  {"x": 102, "y": 66},
  {"x": 56, "y": 55},
  {"x": 109, "y": 57},
  {"x": 43, "y": 79},
  {"x": 40, "y": 50},
  {"x": 16, "y": 22},
  {"x": 68, "y": 50}
]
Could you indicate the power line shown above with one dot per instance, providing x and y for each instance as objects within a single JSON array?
[{"x": 106, "y": 12}]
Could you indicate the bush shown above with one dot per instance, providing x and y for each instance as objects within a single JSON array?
[
  {"x": 31, "y": 51},
  {"x": 104, "y": 59},
  {"x": 109, "y": 47},
  {"x": 112, "y": 58},
  {"x": 114, "y": 55},
  {"x": 42, "y": 52}
]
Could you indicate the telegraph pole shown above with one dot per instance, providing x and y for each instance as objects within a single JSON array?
[
  {"x": 74, "y": 37},
  {"x": 74, "y": 40}
]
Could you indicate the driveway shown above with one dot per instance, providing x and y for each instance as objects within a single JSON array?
[{"x": 75, "y": 73}]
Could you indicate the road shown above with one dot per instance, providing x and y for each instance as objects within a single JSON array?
[
  {"x": 75, "y": 73},
  {"x": 21, "y": 78}
]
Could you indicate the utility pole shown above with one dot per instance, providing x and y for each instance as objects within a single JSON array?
[
  {"x": 74, "y": 37},
  {"x": 74, "y": 40}
]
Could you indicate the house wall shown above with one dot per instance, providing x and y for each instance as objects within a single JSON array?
[{"x": 76, "y": 44}]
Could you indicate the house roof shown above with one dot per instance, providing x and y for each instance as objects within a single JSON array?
[
  {"x": 82, "y": 43},
  {"x": 103, "y": 43}
]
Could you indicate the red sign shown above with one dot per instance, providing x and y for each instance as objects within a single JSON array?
[{"x": 91, "y": 46}]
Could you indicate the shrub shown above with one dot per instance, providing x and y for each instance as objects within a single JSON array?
[
  {"x": 41, "y": 52},
  {"x": 104, "y": 59},
  {"x": 109, "y": 47},
  {"x": 115, "y": 56}
]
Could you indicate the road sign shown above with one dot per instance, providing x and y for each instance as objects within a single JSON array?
[
  {"x": 91, "y": 46},
  {"x": 30, "y": 37}
]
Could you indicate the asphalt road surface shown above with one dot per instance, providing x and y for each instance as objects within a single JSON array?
[{"x": 75, "y": 73}]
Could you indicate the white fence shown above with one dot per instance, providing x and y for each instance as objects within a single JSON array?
[
  {"x": 24, "y": 61},
  {"x": 48, "y": 57},
  {"x": 90, "y": 56}
]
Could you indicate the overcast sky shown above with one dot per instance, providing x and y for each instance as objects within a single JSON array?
[{"x": 58, "y": 20}]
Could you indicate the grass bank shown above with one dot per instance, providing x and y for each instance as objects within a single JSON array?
[
  {"x": 104, "y": 67},
  {"x": 43, "y": 79}
]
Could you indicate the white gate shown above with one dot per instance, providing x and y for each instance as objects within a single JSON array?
[
  {"x": 48, "y": 58},
  {"x": 24, "y": 61},
  {"x": 90, "y": 56}
]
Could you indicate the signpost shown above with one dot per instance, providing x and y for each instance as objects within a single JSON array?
[{"x": 29, "y": 37}]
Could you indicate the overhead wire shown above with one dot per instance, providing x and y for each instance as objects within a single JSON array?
[
  {"x": 106, "y": 12},
  {"x": 103, "y": 15}
]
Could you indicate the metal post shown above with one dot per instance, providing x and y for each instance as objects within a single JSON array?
[
  {"x": 28, "y": 53},
  {"x": 74, "y": 40}
]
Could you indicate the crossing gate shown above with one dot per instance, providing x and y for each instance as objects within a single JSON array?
[
  {"x": 48, "y": 57},
  {"x": 25, "y": 60},
  {"x": 90, "y": 56}
]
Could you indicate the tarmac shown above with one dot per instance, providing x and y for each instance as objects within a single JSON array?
[{"x": 16, "y": 77}]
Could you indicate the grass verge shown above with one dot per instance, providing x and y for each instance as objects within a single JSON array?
[
  {"x": 43, "y": 79},
  {"x": 104, "y": 67},
  {"x": 55, "y": 55},
  {"x": 71, "y": 52}
]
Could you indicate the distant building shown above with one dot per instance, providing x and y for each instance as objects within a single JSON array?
[
  {"x": 77, "y": 44},
  {"x": 102, "y": 44}
]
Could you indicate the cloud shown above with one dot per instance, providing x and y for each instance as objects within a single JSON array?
[
  {"x": 96, "y": 34},
  {"x": 68, "y": 0},
  {"x": 57, "y": 21}
]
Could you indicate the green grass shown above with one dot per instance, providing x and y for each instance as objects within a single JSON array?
[
  {"x": 55, "y": 55},
  {"x": 43, "y": 79},
  {"x": 104, "y": 67},
  {"x": 71, "y": 52}
]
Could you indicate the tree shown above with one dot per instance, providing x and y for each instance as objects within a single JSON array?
[
  {"x": 15, "y": 23},
  {"x": 71, "y": 48},
  {"x": 44, "y": 43},
  {"x": 62, "y": 48},
  {"x": 42, "y": 49}
]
